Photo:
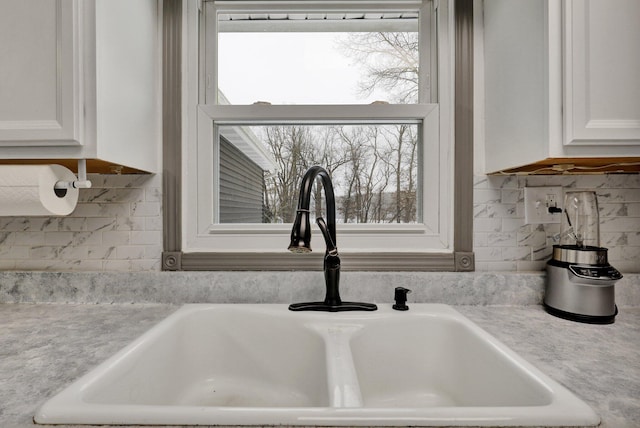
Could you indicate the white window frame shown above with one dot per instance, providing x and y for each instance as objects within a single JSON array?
[{"x": 201, "y": 235}]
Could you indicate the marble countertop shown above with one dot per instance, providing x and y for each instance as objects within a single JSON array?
[{"x": 44, "y": 347}]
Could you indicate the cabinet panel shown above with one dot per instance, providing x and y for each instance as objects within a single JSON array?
[
  {"x": 602, "y": 69},
  {"x": 39, "y": 76},
  {"x": 80, "y": 79},
  {"x": 562, "y": 80}
]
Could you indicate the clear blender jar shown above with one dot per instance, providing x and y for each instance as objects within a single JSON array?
[{"x": 580, "y": 224}]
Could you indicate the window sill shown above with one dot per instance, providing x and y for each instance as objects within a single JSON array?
[{"x": 284, "y": 261}]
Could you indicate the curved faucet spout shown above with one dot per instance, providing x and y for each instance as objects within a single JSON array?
[
  {"x": 301, "y": 243},
  {"x": 301, "y": 231}
]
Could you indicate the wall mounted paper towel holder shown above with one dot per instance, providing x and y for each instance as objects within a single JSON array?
[{"x": 80, "y": 183}]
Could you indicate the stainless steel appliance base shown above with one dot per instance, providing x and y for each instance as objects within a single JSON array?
[
  {"x": 583, "y": 293},
  {"x": 588, "y": 319}
]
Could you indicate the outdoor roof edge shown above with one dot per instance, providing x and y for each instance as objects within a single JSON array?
[{"x": 319, "y": 22}]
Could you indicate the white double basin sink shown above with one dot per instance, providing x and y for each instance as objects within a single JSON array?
[{"x": 265, "y": 365}]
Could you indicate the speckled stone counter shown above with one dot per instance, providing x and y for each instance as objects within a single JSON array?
[
  {"x": 455, "y": 288},
  {"x": 44, "y": 347}
]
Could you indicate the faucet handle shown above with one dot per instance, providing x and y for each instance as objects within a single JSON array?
[
  {"x": 401, "y": 299},
  {"x": 331, "y": 246}
]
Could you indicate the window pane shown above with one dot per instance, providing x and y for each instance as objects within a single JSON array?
[
  {"x": 318, "y": 58},
  {"x": 373, "y": 169}
]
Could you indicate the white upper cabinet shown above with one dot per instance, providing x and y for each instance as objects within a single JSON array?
[
  {"x": 602, "y": 72},
  {"x": 80, "y": 79},
  {"x": 562, "y": 82},
  {"x": 38, "y": 105}
]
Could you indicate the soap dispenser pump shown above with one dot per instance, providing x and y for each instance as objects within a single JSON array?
[{"x": 401, "y": 299}]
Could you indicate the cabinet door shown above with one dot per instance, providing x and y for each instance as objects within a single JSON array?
[
  {"x": 40, "y": 88},
  {"x": 602, "y": 72}
]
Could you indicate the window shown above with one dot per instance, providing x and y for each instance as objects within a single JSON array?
[
  {"x": 374, "y": 169},
  {"x": 261, "y": 76}
]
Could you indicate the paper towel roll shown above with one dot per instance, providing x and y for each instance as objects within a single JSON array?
[{"x": 27, "y": 190}]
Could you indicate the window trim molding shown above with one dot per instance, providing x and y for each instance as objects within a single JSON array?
[
  {"x": 173, "y": 258},
  {"x": 463, "y": 143},
  {"x": 171, "y": 133},
  {"x": 434, "y": 232}
]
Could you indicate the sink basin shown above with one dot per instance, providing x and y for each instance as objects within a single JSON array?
[
  {"x": 439, "y": 363},
  {"x": 265, "y": 365}
]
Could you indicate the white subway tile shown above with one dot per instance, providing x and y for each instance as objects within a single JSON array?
[
  {"x": 633, "y": 238},
  {"x": 87, "y": 238},
  {"x": 619, "y": 198},
  {"x": 530, "y": 266},
  {"x": 7, "y": 239},
  {"x": 516, "y": 253},
  {"x": 122, "y": 217},
  {"x": 502, "y": 239},
  {"x": 153, "y": 252},
  {"x": 631, "y": 254},
  {"x": 542, "y": 252},
  {"x": 480, "y": 239},
  {"x": 618, "y": 195},
  {"x": 125, "y": 181},
  {"x": 117, "y": 265},
  {"x": 101, "y": 223},
  {"x": 614, "y": 239},
  {"x": 72, "y": 224},
  {"x": 502, "y": 210},
  {"x": 27, "y": 238},
  {"x": 95, "y": 224},
  {"x": 502, "y": 182},
  {"x": 146, "y": 238},
  {"x": 487, "y": 196},
  {"x": 102, "y": 210},
  {"x": 74, "y": 253},
  {"x": 145, "y": 265},
  {"x": 488, "y": 254},
  {"x": 101, "y": 252},
  {"x": 58, "y": 238},
  {"x": 534, "y": 238},
  {"x": 153, "y": 194},
  {"x": 619, "y": 224},
  {"x": 130, "y": 223},
  {"x": 7, "y": 264},
  {"x": 15, "y": 252},
  {"x": 514, "y": 225},
  {"x": 114, "y": 238},
  {"x": 153, "y": 223},
  {"x": 633, "y": 209},
  {"x": 104, "y": 219},
  {"x": 511, "y": 196},
  {"x": 503, "y": 266},
  {"x": 44, "y": 252},
  {"x": 130, "y": 195},
  {"x": 130, "y": 252},
  {"x": 487, "y": 224},
  {"x": 145, "y": 209},
  {"x": 46, "y": 224}
]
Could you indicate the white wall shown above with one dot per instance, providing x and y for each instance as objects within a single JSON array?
[
  {"x": 117, "y": 226},
  {"x": 503, "y": 242}
]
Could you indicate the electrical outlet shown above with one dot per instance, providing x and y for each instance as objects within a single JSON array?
[{"x": 542, "y": 205}]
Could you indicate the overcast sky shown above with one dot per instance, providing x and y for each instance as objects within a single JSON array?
[{"x": 287, "y": 68}]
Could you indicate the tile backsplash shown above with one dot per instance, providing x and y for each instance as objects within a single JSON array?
[
  {"x": 503, "y": 242},
  {"x": 117, "y": 226}
]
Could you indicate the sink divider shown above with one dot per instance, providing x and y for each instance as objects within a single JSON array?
[{"x": 342, "y": 378}]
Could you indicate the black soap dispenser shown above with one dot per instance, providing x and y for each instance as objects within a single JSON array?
[{"x": 401, "y": 299}]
